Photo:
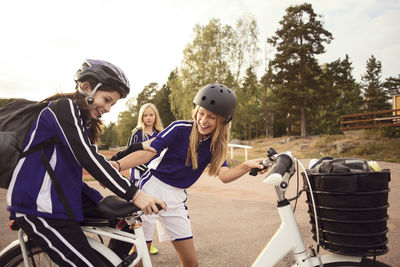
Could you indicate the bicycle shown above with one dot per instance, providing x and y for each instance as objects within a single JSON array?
[
  {"x": 287, "y": 239},
  {"x": 23, "y": 252}
]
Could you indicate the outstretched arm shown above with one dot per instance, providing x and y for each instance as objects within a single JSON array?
[
  {"x": 136, "y": 158},
  {"x": 132, "y": 148},
  {"x": 227, "y": 175}
]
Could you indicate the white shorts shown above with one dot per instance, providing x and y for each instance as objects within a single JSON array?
[{"x": 173, "y": 224}]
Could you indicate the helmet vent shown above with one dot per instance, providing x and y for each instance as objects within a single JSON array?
[
  {"x": 108, "y": 70},
  {"x": 212, "y": 102},
  {"x": 204, "y": 98},
  {"x": 229, "y": 91},
  {"x": 221, "y": 91}
]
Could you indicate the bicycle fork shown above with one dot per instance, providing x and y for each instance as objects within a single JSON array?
[{"x": 286, "y": 239}]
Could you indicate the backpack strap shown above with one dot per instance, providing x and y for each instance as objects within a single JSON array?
[
  {"x": 57, "y": 186},
  {"x": 37, "y": 147},
  {"x": 40, "y": 147}
]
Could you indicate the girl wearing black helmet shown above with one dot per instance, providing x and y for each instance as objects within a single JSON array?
[
  {"x": 185, "y": 149},
  {"x": 48, "y": 202}
]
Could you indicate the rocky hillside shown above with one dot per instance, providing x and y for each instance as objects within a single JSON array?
[{"x": 355, "y": 144}]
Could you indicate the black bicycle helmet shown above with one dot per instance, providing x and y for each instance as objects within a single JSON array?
[
  {"x": 217, "y": 98},
  {"x": 105, "y": 73}
]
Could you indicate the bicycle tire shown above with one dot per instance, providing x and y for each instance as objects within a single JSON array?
[{"x": 13, "y": 257}]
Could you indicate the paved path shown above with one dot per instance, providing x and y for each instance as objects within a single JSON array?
[{"x": 232, "y": 222}]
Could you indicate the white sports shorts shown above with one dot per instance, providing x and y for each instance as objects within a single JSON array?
[{"x": 173, "y": 224}]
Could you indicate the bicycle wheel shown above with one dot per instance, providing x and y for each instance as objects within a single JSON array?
[{"x": 13, "y": 258}]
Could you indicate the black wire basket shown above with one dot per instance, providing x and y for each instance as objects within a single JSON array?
[{"x": 351, "y": 211}]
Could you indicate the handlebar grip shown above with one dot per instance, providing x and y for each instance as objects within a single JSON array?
[
  {"x": 282, "y": 165},
  {"x": 254, "y": 171},
  {"x": 158, "y": 207}
]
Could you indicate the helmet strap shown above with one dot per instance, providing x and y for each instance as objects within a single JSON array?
[
  {"x": 90, "y": 99},
  {"x": 228, "y": 120}
]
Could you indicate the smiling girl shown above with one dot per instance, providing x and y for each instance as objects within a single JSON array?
[
  {"x": 148, "y": 126},
  {"x": 48, "y": 211},
  {"x": 186, "y": 149}
]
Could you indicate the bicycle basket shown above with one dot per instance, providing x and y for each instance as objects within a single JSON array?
[{"x": 351, "y": 209}]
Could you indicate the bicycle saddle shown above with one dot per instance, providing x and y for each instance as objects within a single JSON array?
[{"x": 116, "y": 207}]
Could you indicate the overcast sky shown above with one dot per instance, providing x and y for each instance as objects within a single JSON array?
[{"x": 43, "y": 43}]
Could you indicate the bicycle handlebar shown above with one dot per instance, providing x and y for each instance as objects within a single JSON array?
[
  {"x": 282, "y": 164},
  {"x": 266, "y": 162}
]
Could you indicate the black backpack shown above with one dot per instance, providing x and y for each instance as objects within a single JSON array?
[{"x": 16, "y": 119}]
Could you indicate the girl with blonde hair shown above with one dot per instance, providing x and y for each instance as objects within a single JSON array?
[
  {"x": 148, "y": 126},
  {"x": 185, "y": 149}
]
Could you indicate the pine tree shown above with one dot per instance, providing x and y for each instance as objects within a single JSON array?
[
  {"x": 246, "y": 122},
  {"x": 296, "y": 70},
  {"x": 392, "y": 85},
  {"x": 163, "y": 104},
  {"x": 375, "y": 95},
  {"x": 342, "y": 96},
  {"x": 267, "y": 102}
]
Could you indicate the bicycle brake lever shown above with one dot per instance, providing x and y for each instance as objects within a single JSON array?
[
  {"x": 254, "y": 171},
  {"x": 272, "y": 154},
  {"x": 266, "y": 163}
]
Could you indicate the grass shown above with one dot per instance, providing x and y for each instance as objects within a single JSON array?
[{"x": 368, "y": 145}]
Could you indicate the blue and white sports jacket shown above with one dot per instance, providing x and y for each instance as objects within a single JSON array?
[
  {"x": 135, "y": 139},
  {"x": 31, "y": 190},
  {"x": 172, "y": 145}
]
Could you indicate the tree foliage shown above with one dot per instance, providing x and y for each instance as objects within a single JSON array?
[
  {"x": 127, "y": 120},
  {"x": 247, "y": 123},
  {"x": 296, "y": 95},
  {"x": 392, "y": 85},
  {"x": 375, "y": 95},
  {"x": 300, "y": 38},
  {"x": 217, "y": 54},
  {"x": 162, "y": 102},
  {"x": 109, "y": 137},
  {"x": 341, "y": 96}
]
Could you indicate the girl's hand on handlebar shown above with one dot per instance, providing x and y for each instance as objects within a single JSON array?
[
  {"x": 147, "y": 203},
  {"x": 256, "y": 166}
]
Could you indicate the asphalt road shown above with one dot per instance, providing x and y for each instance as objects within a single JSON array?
[{"x": 233, "y": 222}]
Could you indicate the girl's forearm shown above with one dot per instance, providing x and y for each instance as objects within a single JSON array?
[
  {"x": 227, "y": 175},
  {"x": 136, "y": 158}
]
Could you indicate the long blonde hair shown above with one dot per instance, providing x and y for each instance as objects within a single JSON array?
[
  {"x": 141, "y": 126},
  {"x": 219, "y": 144}
]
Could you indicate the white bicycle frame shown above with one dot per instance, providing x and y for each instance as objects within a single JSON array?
[
  {"x": 136, "y": 239},
  {"x": 287, "y": 239}
]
